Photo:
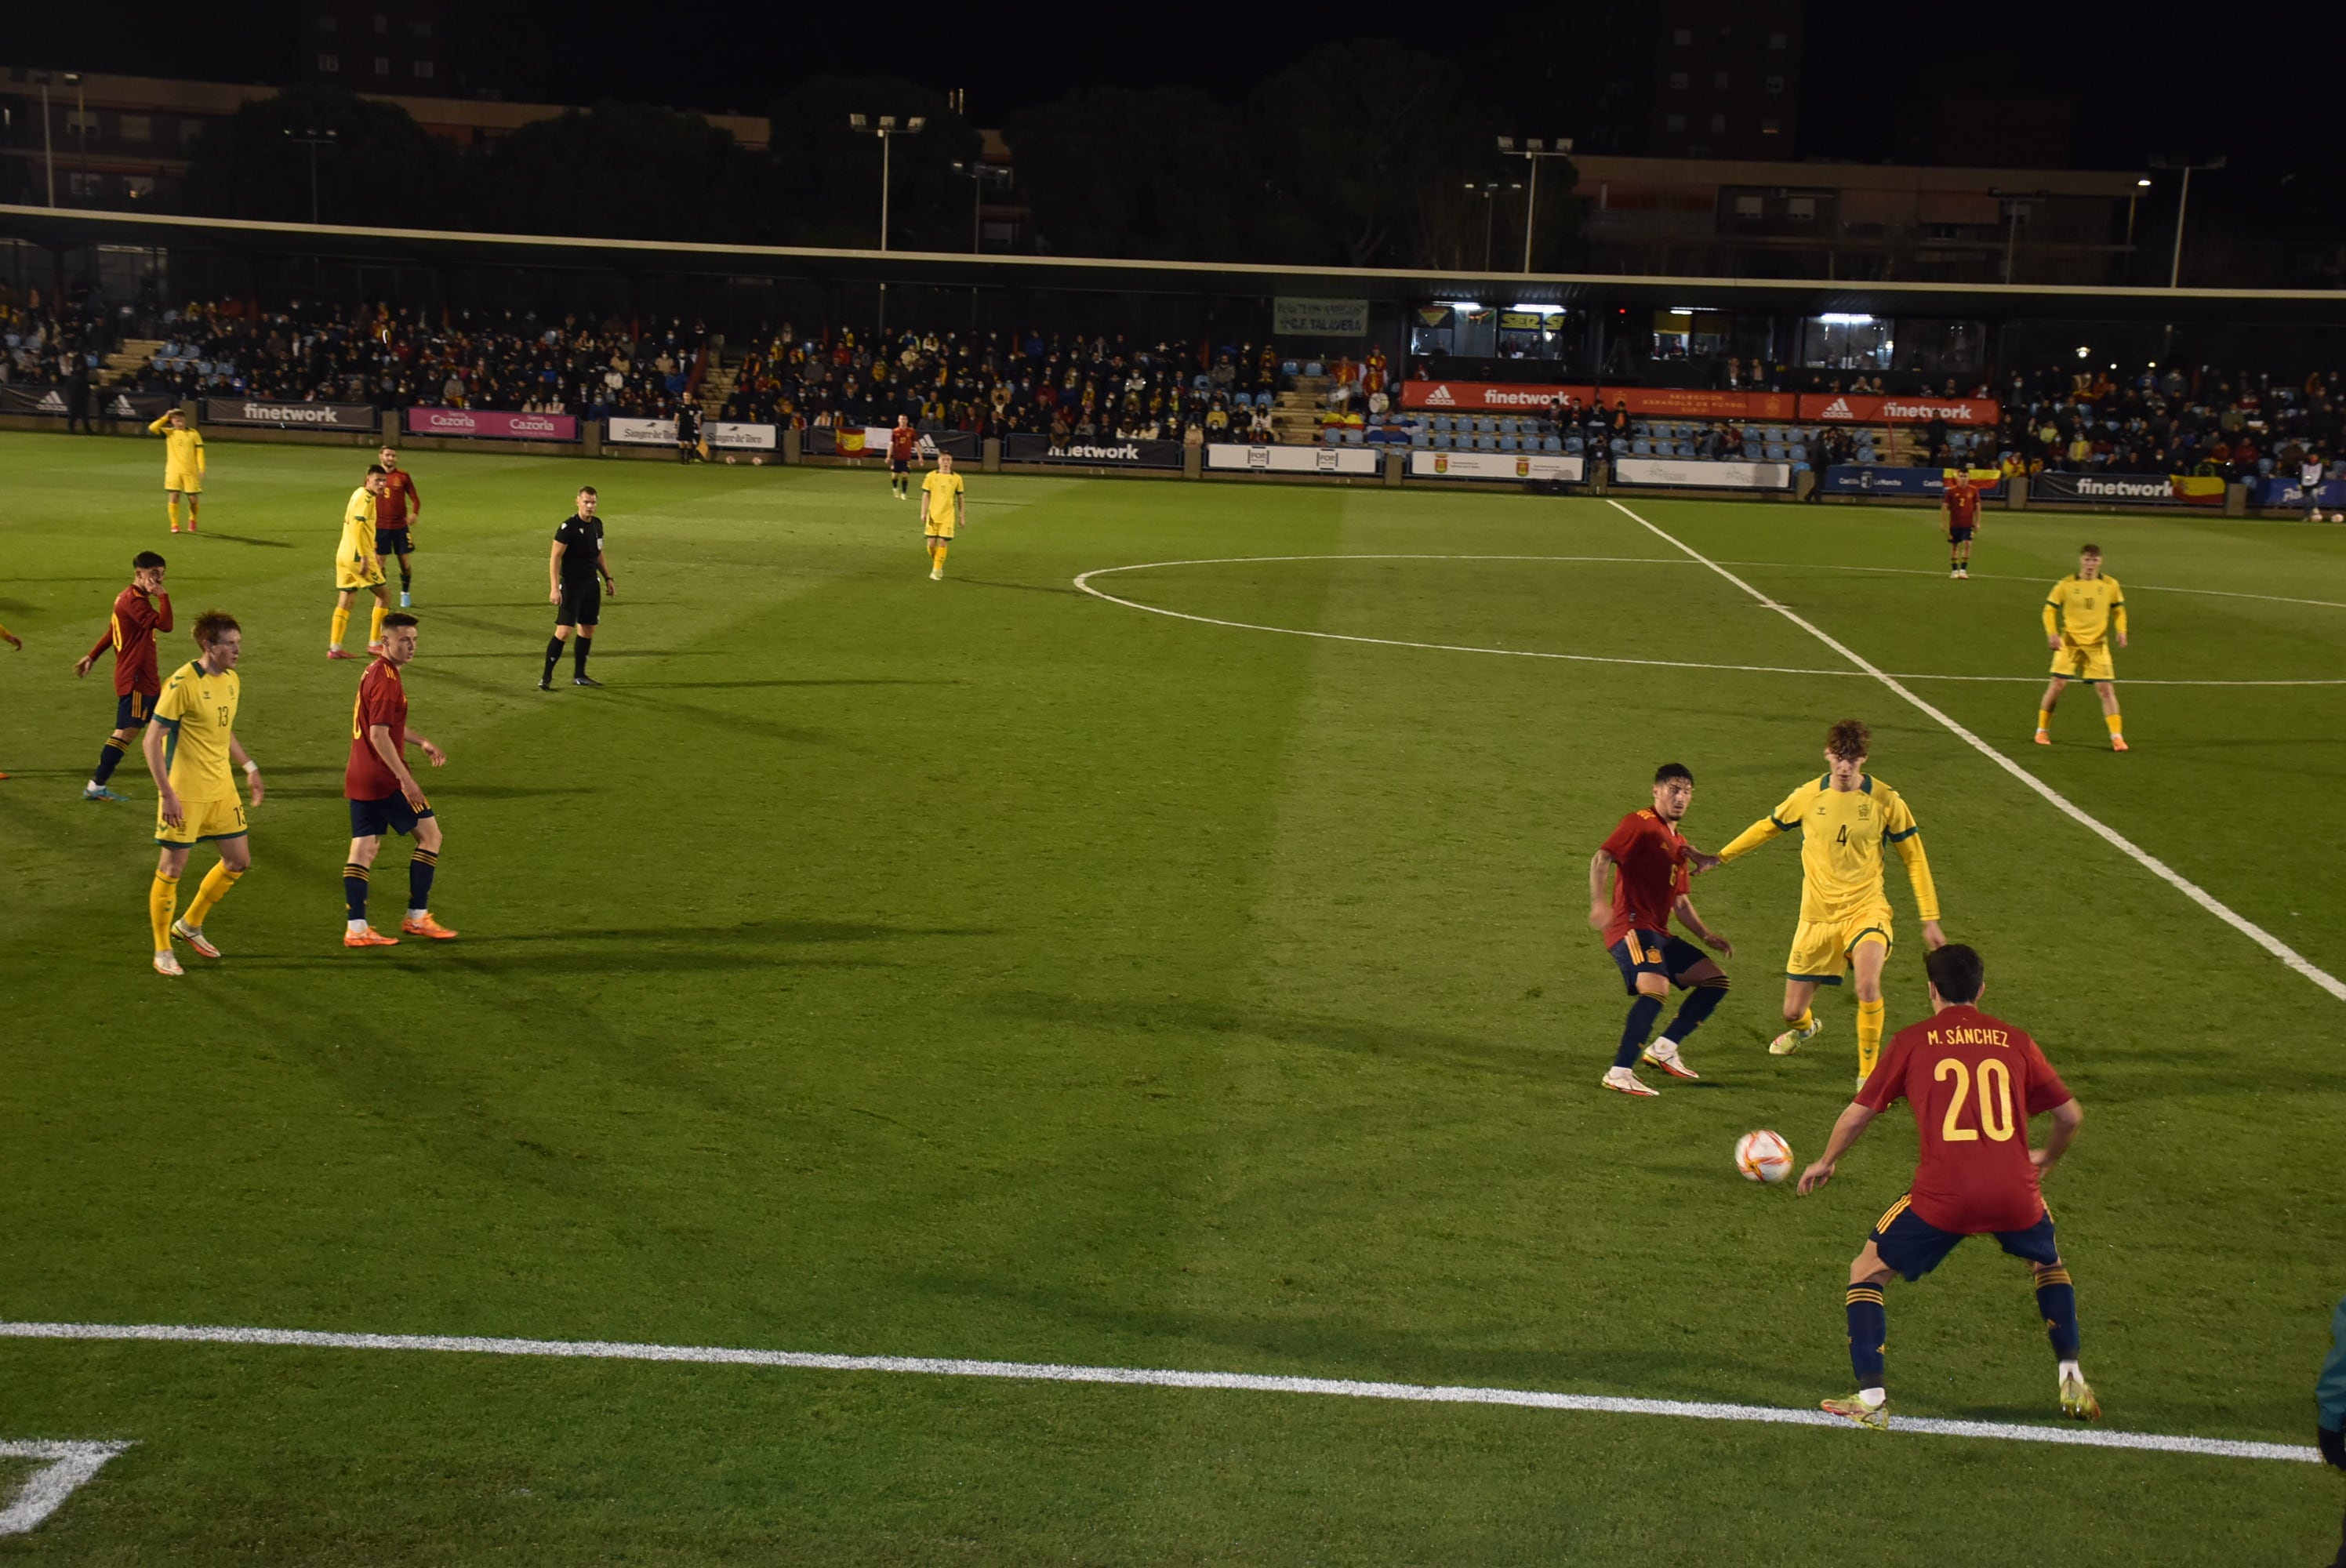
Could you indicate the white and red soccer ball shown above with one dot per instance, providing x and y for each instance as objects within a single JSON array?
[{"x": 1763, "y": 1156}]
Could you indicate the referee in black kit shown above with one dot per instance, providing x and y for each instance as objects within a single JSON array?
[{"x": 577, "y": 578}]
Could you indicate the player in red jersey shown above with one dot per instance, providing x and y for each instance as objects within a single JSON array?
[
  {"x": 1654, "y": 863},
  {"x": 1974, "y": 1082},
  {"x": 1959, "y": 504},
  {"x": 398, "y": 510},
  {"x": 903, "y": 445},
  {"x": 131, "y": 633},
  {"x": 385, "y": 796}
]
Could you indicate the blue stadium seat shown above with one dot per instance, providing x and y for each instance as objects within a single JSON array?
[
  {"x": 1289, "y": 368},
  {"x": 1553, "y": 444},
  {"x": 1799, "y": 451},
  {"x": 1620, "y": 447},
  {"x": 1419, "y": 438},
  {"x": 1574, "y": 445},
  {"x": 1775, "y": 452},
  {"x": 1642, "y": 447},
  {"x": 1750, "y": 452},
  {"x": 1354, "y": 438},
  {"x": 1486, "y": 443},
  {"x": 1510, "y": 443},
  {"x": 1313, "y": 368}
]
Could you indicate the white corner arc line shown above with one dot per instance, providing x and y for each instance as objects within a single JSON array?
[
  {"x": 1083, "y": 580},
  {"x": 1139, "y": 1377},
  {"x": 2150, "y": 862},
  {"x": 66, "y": 1469}
]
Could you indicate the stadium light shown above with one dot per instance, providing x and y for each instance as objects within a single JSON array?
[
  {"x": 313, "y": 140},
  {"x": 2182, "y": 205},
  {"x": 980, "y": 175},
  {"x": 1486, "y": 189},
  {"x": 886, "y": 130},
  {"x": 1534, "y": 149}
]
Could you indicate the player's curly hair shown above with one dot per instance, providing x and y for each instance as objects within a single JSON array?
[
  {"x": 214, "y": 624},
  {"x": 1850, "y": 740}
]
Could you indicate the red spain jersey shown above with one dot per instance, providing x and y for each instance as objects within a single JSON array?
[
  {"x": 1653, "y": 874},
  {"x": 383, "y": 699},
  {"x": 399, "y": 497},
  {"x": 1963, "y": 503},
  {"x": 131, "y": 633},
  {"x": 1974, "y": 1082},
  {"x": 902, "y": 441}
]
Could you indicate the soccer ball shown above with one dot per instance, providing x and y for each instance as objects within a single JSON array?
[
  {"x": 757, "y": 462},
  {"x": 731, "y": 460},
  {"x": 1763, "y": 1156}
]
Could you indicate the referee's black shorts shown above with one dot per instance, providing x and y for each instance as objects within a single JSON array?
[{"x": 582, "y": 605}]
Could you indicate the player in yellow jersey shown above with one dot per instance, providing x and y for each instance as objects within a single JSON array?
[
  {"x": 357, "y": 564},
  {"x": 941, "y": 512},
  {"x": 2085, "y": 611},
  {"x": 1844, "y": 819},
  {"x": 183, "y": 464},
  {"x": 191, "y": 750}
]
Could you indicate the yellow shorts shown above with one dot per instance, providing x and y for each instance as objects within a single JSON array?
[
  {"x": 1821, "y": 948},
  {"x": 182, "y": 481},
  {"x": 940, "y": 529},
  {"x": 2080, "y": 661},
  {"x": 201, "y": 820},
  {"x": 348, "y": 577}
]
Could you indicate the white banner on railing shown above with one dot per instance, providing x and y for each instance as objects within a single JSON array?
[
  {"x": 1355, "y": 461},
  {"x": 1700, "y": 473},
  {"x": 726, "y": 432},
  {"x": 640, "y": 431},
  {"x": 1508, "y": 465}
]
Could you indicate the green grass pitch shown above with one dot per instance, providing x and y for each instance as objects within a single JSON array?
[{"x": 983, "y": 969}]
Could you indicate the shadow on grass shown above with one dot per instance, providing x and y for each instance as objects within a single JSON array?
[
  {"x": 1028, "y": 587},
  {"x": 246, "y": 539},
  {"x": 765, "y": 932},
  {"x": 718, "y": 685}
]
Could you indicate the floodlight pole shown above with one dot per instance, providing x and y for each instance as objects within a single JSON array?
[
  {"x": 48, "y": 147},
  {"x": 1534, "y": 149},
  {"x": 313, "y": 140},
  {"x": 2182, "y": 206}
]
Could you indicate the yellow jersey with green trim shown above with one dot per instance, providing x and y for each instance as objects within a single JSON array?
[
  {"x": 197, "y": 712},
  {"x": 2082, "y": 611},
  {"x": 942, "y": 490},
  {"x": 358, "y": 530},
  {"x": 179, "y": 447},
  {"x": 1842, "y": 832}
]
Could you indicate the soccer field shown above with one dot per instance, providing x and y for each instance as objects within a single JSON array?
[{"x": 990, "y": 970}]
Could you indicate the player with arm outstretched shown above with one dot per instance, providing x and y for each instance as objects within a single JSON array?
[
  {"x": 1648, "y": 858},
  {"x": 941, "y": 512},
  {"x": 1974, "y": 1082},
  {"x": 190, "y": 749},
  {"x": 1844, "y": 819},
  {"x": 183, "y": 464},
  {"x": 577, "y": 578},
  {"x": 140, "y": 611},
  {"x": 385, "y": 796},
  {"x": 1959, "y": 504},
  {"x": 2085, "y": 611}
]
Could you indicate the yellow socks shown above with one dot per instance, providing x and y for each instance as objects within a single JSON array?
[
  {"x": 374, "y": 624},
  {"x": 342, "y": 624},
  {"x": 2045, "y": 719},
  {"x": 1808, "y": 1019},
  {"x": 215, "y": 888},
  {"x": 937, "y": 558},
  {"x": 161, "y": 899},
  {"x": 1869, "y": 1035},
  {"x": 2110, "y": 720},
  {"x": 171, "y": 510}
]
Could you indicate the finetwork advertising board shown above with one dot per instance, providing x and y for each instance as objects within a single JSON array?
[
  {"x": 1507, "y": 465},
  {"x": 352, "y": 416},
  {"x": 1352, "y": 461},
  {"x": 1094, "y": 454},
  {"x": 2128, "y": 489}
]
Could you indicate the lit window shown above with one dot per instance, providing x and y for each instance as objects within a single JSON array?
[
  {"x": 1749, "y": 206},
  {"x": 1677, "y": 81},
  {"x": 81, "y": 123},
  {"x": 1802, "y": 207},
  {"x": 423, "y": 69},
  {"x": 137, "y": 127},
  {"x": 1673, "y": 122},
  {"x": 138, "y": 185},
  {"x": 330, "y": 63}
]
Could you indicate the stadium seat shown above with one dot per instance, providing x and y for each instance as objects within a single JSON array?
[
  {"x": 1620, "y": 447},
  {"x": 1775, "y": 453},
  {"x": 1486, "y": 443},
  {"x": 1550, "y": 443},
  {"x": 1642, "y": 447},
  {"x": 1313, "y": 368},
  {"x": 1799, "y": 451},
  {"x": 1574, "y": 445},
  {"x": 1354, "y": 438},
  {"x": 1289, "y": 368},
  {"x": 1510, "y": 443},
  {"x": 1419, "y": 438}
]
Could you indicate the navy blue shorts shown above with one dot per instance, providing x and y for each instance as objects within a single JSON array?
[
  {"x": 1959, "y": 535},
  {"x": 392, "y": 814},
  {"x": 1914, "y": 1245},
  {"x": 392, "y": 542},
  {"x": 133, "y": 711},
  {"x": 1655, "y": 953}
]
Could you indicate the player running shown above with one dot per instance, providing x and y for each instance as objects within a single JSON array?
[
  {"x": 903, "y": 445},
  {"x": 399, "y": 509},
  {"x": 942, "y": 512},
  {"x": 1959, "y": 502},
  {"x": 183, "y": 464},
  {"x": 188, "y": 749},
  {"x": 1651, "y": 858},
  {"x": 131, "y": 633},
  {"x": 1844, "y": 819},
  {"x": 577, "y": 578},
  {"x": 357, "y": 564},
  {"x": 1972, "y": 1082},
  {"x": 2086, "y": 610},
  {"x": 385, "y": 796}
]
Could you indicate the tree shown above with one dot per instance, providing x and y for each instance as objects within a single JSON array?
[
  {"x": 379, "y": 168},
  {"x": 827, "y": 175},
  {"x": 627, "y": 171},
  {"x": 1164, "y": 173}
]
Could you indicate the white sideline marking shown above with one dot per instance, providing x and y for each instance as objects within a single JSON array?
[
  {"x": 1051, "y": 1373},
  {"x": 69, "y": 1467},
  {"x": 2150, "y": 862},
  {"x": 1083, "y": 580}
]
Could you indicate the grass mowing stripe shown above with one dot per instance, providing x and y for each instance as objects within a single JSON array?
[
  {"x": 2189, "y": 889},
  {"x": 64, "y": 1468},
  {"x": 1142, "y": 1377}
]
